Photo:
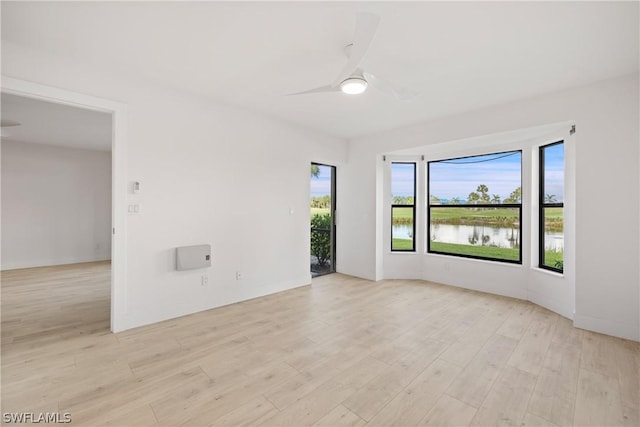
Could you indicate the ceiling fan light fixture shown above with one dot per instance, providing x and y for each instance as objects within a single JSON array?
[{"x": 353, "y": 85}]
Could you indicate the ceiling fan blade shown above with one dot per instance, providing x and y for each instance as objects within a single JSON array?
[
  {"x": 386, "y": 87},
  {"x": 7, "y": 123},
  {"x": 366, "y": 28},
  {"x": 321, "y": 89}
]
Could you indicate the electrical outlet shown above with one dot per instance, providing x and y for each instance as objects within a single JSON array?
[
  {"x": 204, "y": 280},
  {"x": 238, "y": 275}
]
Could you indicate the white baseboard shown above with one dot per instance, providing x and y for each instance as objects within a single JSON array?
[
  {"x": 15, "y": 265},
  {"x": 608, "y": 327}
]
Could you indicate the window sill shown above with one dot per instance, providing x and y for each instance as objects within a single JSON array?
[
  {"x": 483, "y": 261},
  {"x": 549, "y": 272}
]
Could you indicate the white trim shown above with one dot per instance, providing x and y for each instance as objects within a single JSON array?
[
  {"x": 119, "y": 189},
  {"x": 609, "y": 327}
]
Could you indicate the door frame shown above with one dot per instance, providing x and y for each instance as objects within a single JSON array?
[{"x": 118, "y": 113}]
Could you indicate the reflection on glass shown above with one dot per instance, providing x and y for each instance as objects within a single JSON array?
[{"x": 479, "y": 232}]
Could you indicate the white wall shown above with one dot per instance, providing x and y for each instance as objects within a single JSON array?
[
  {"x": 606, "y": 170},
  {"x": 209, "y": 174},
  {"x": 56, "y": 205}
]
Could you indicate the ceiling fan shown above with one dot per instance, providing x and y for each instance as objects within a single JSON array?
[{"x": 353, "y": 80}]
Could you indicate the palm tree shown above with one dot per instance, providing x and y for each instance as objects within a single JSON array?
[
  {"x": 455, "y": 201},
  {"x": 515, "y": 196},
  {"x": 473, "y": 198},
  {"x": 495, "y": 199},
  {"x": 315, "y": 171},
  {"x": 550, "y": 198},
  {"x": 483, "y": 190}
]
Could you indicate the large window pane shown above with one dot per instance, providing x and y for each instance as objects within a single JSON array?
[
  {"x": 475, "y": 206},
  {"x": 552, "y": 207},
  {"x": 403, "y": 193}
]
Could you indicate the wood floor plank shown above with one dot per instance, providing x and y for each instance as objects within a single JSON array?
[
  {"x": 412, "y": 404},
  {"x": 597, "y": 354},
  {"x": 300, "y": 385},
  {"x": 554, "y": 395},
  {"x": 530, "y": 352},
  {"x": 473, "y": 384},
  {"x": 374, "y": 395},
  {"x": 518, "y": 321},
  {"x": 506, "y": 403},
  {"x": 535, "y": 421},
  {"x": 252, "y": 413},
  {"x": 340, "y": 417},
  {"x": 341, "y": 352},
  {"x": 598, "y": 400},
  {"x": 628, "y": 364},
  {"x": 449, "y": 411},
  {"x": 205, "y": 400},
  {"x": 313, "y": 407}
]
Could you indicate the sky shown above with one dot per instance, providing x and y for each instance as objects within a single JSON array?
[
  {"x": 501, "y": 173},
  {"x": 321, "y": 185},
  {"x": 402, "y": 179},
  {"x": 554, "y": 171}
]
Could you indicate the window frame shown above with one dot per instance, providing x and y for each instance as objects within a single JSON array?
[
  {"x": 393, "y": 205},
  {"x": 483, "y": 205},
  {"x": 542, "y": 205}
]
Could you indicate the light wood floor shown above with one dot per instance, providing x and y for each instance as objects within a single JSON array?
[{"x": 343, "y": 351}]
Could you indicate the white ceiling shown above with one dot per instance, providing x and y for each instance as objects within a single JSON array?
[
  {"x": 458, "y": 56},
  {"x": 49, "y": 123}
]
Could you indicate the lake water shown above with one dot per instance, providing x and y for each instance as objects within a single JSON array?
[{"x": 477, "y": 234}]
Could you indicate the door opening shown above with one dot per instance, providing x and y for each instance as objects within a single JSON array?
[
  {"x": 323, "y": 224},
  {"x": 118, "y": 112}
]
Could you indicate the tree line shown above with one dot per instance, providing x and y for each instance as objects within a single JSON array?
[
  {"x": 323, "y": 202},
  {"x": 481, "y": 196}
]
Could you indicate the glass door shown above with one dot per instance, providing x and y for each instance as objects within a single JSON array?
[{"x": 323, "y": 229}]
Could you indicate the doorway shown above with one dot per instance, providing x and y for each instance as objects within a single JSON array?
[
  {"x": 117, "y": 113},
  {"x": 323, "y": 225}
]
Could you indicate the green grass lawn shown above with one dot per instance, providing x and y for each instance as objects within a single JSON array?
[
  {"x": 551, "y": 257},
  {"x": 402, "y": 214},
  {"x": 478, "y": 251},
  {"x": 457, "y": 213},
  {"x": 556, "y": 213},
  {"x": 319, "y": 211},
  {"x": 401, "y": 244}
]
